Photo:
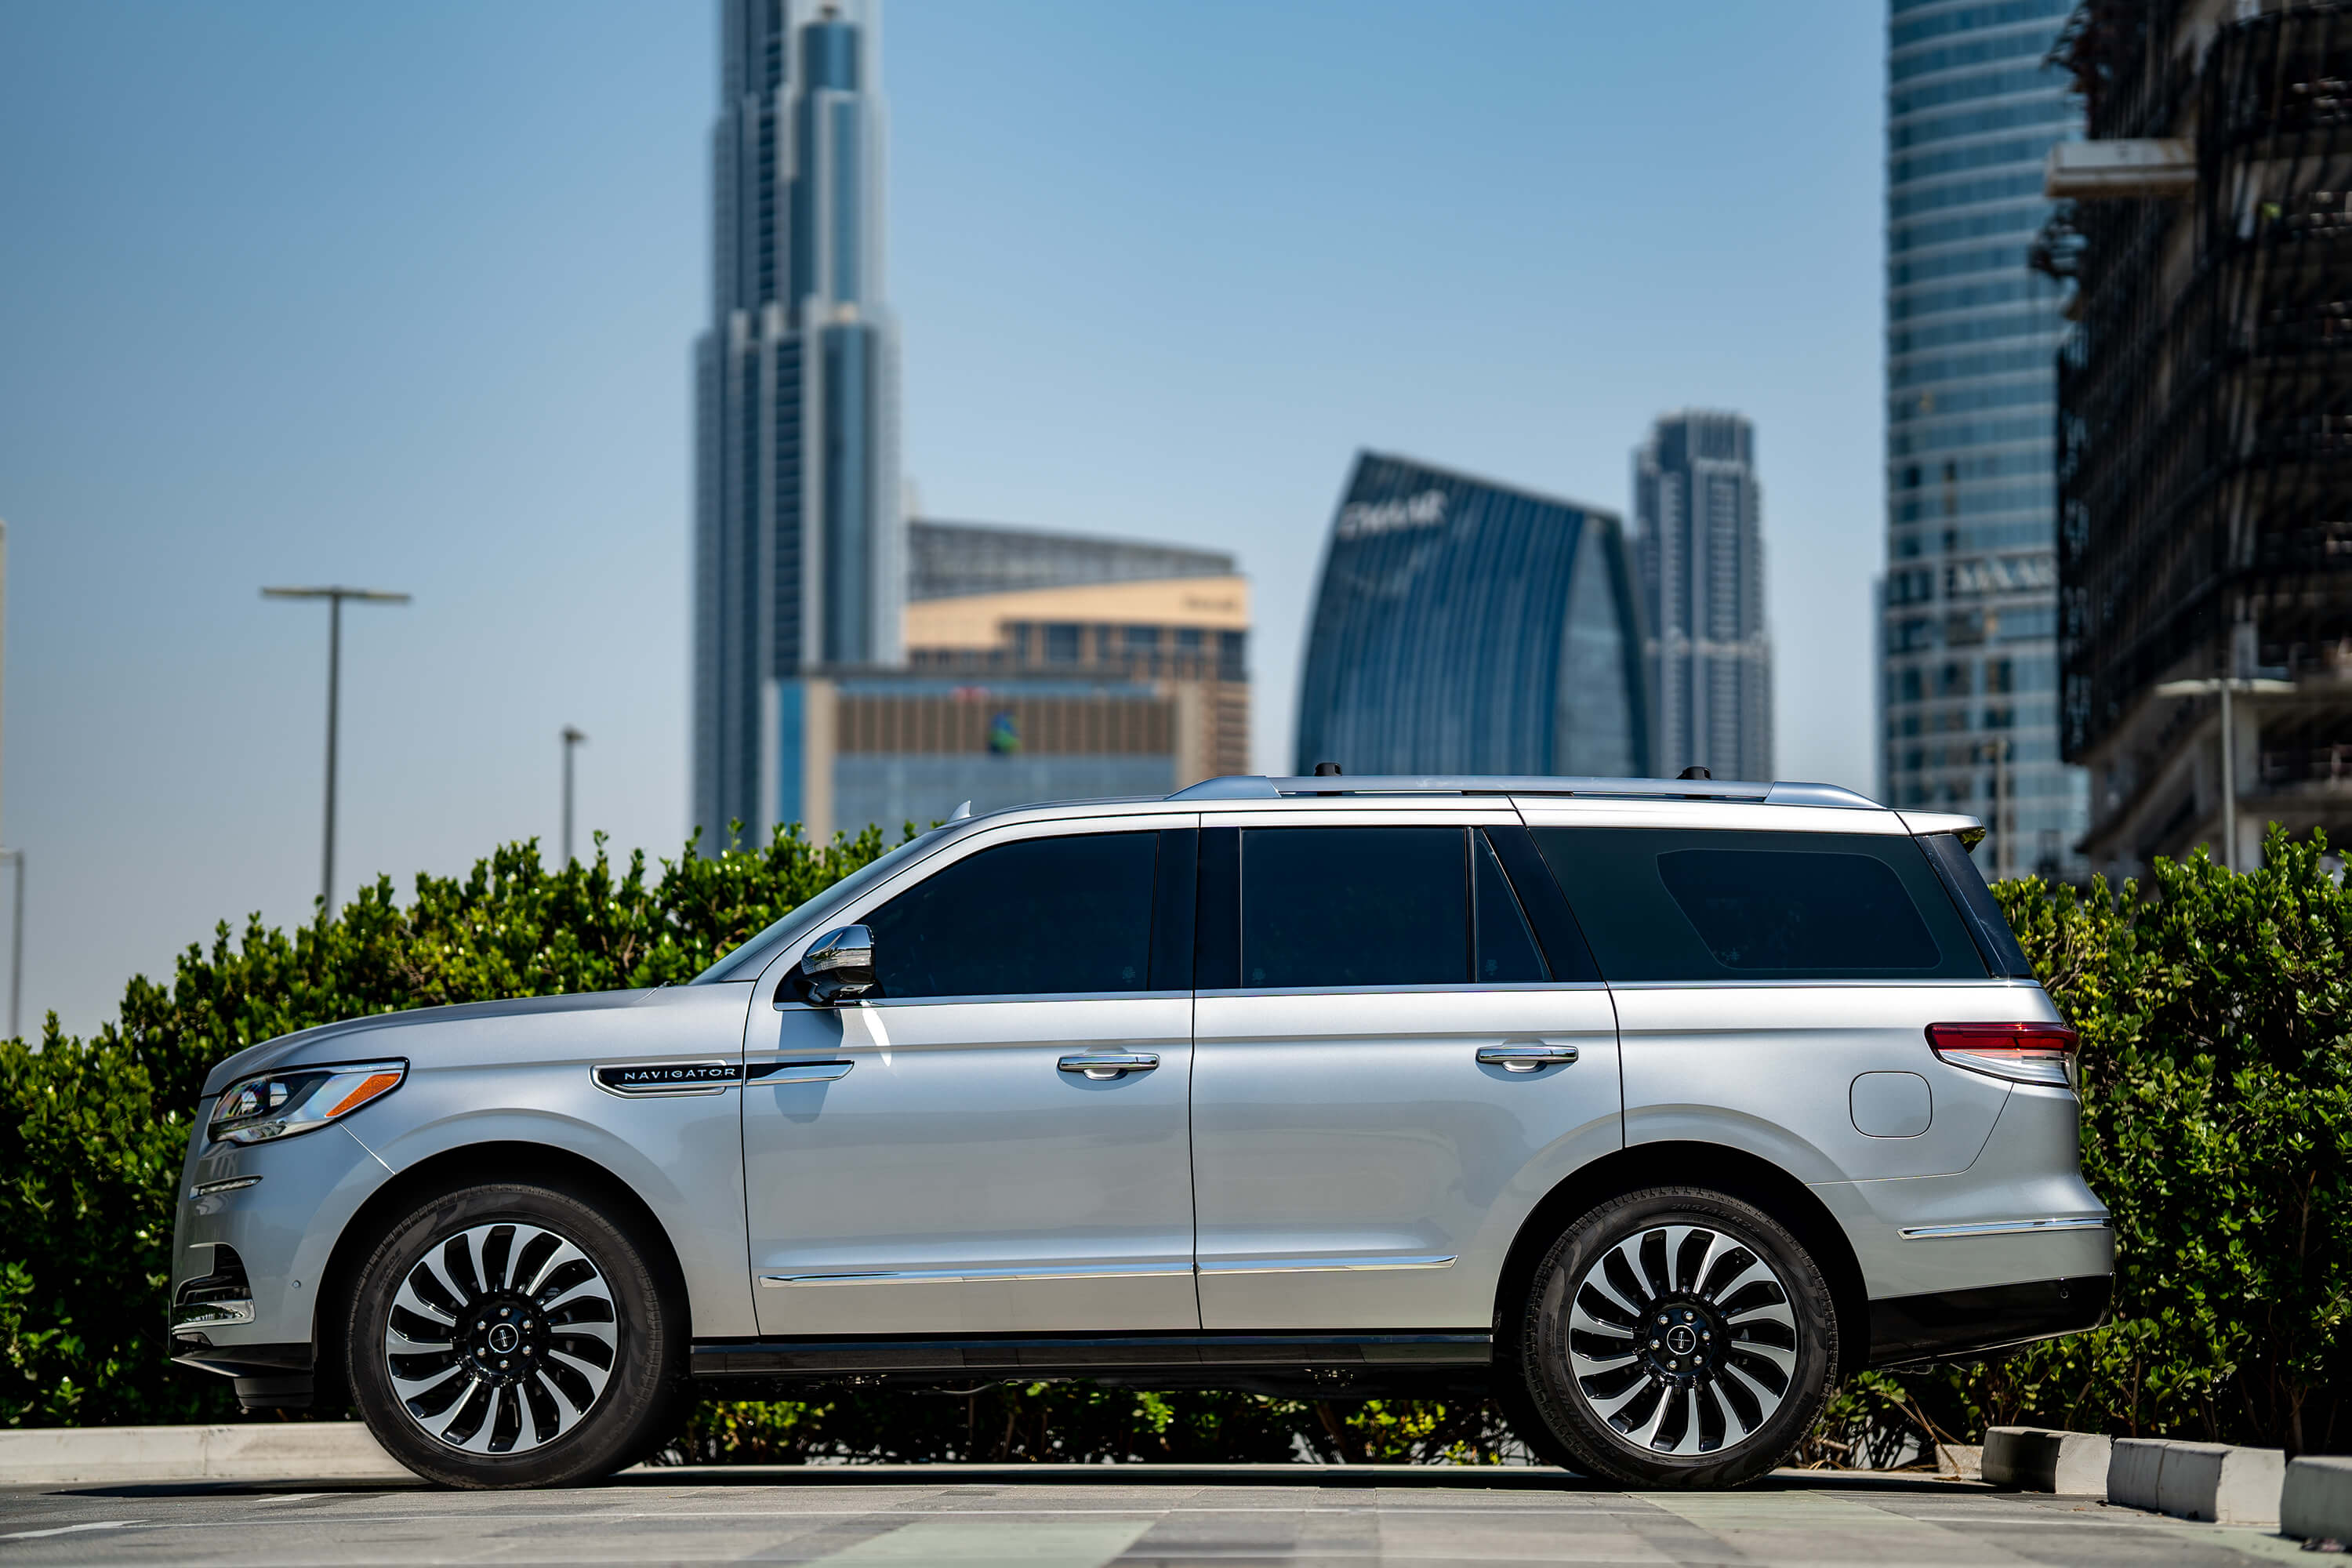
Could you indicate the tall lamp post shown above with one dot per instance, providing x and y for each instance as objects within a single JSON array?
[
  {"x": 2205, "y": 686},
  {"x": 573, "y": 736},
  {"x": 334, "y": 597}
]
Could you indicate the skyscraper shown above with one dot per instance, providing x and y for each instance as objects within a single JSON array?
[
  {"x": 1465, "y": 627},
  {"x": 1968, "y": 655},
  {"x": 1700, "y": 542},
  {"x": 798, "y": 534}
]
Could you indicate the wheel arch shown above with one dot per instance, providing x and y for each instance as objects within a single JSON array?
[
  {"x": 512, "y": 1160},
  {"x": 1733, "y": 1171}
]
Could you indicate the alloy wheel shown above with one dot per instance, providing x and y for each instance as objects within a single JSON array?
[
  {"x": 1681, "y": 1339},
  {"x": 501, "y": 1338}
]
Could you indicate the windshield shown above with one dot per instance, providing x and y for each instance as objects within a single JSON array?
[{"x": 746, "y": 961}]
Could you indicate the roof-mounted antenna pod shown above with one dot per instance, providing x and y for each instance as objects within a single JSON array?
[
  {"x": 1694, "y": 772},
  {"x": 1326, "y": 770},
  {"x": 962, "y": 811}
]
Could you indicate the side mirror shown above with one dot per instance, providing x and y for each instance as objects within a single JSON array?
[{"x": 839, "y": 968}]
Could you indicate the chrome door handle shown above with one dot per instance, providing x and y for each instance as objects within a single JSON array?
[
  {"x": 1525, "y": 1057},
  {"x": 1102, "y": 1065},
  {"x": 796, "y": 1073}
]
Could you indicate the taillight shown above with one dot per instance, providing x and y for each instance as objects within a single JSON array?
[{"x": 2023, "y": 1053}]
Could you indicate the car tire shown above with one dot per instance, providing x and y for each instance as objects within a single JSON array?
[
  {"x": 1678, "y": 1337},
  {"x": 515, "y": 1333}
]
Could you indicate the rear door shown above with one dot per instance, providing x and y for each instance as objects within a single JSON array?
[{"x": 1395, "y": 1057}]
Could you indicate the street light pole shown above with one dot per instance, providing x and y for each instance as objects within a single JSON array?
[
  {"x": 16, "y": 945},
  {"x": 573, "y": 736},
  {"x": 334, "y": 597},
  {"x": 2207, "y": 686}
]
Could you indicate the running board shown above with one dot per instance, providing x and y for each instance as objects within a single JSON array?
[{"x": 1198, "y": 1358}]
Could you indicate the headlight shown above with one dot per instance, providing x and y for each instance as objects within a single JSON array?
[{"x": 282, "y": 1104}]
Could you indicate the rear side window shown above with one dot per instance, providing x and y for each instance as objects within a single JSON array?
[
  {"x": 1040, "y": 917},
  {"x": 1661, "y": 904},
  {"x": 1354, "y": 906},
  {"x": 1986, "y": 923}
]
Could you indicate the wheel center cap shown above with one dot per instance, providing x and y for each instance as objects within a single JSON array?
[
  {"x": 1681, "y": 1339},
  {"x": 504, "y": 1339}
]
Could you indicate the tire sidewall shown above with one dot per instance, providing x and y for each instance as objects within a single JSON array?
[
  {"x": 1599, "y": 1447},
  {"x": 631, "y": 1414}
]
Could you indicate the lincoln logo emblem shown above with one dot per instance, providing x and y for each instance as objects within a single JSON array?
[
  {"x": 1680, "y": 1340},
  {"x": 503, "y": 1339}
]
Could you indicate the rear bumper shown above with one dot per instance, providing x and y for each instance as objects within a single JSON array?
[{"x": 1945, "y": 1325}]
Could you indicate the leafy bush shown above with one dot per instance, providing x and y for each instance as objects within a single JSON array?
[
  {"x": 2216, "y": 1014},
  {"x": 92, "y": 1131},
  {"x": 2217, "y": 1122}
]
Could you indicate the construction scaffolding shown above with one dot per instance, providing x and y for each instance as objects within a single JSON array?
[{"x": 2204, "y": 433}]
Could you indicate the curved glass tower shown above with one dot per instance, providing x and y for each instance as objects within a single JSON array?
[
  {"x": 1465, "y": 627},
  {"x": 798, "y": 532},
  {"x": 1968, "y": 622}
]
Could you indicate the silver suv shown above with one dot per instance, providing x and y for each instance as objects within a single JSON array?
[{"x": 1650, "y": 1109}]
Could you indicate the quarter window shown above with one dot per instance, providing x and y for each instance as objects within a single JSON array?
[
  {"x": 1040, "y": 917},
  {"x": 1672, "y": 905}
]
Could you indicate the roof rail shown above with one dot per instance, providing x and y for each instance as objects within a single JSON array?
[{"x": 1253, "y": 786}]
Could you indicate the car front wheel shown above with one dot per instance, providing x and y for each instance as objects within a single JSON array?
[
  {"x": 1678, "y": 1337},
  {"x": 514, "y": 1334}
]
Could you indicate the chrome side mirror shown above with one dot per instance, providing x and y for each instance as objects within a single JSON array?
[{"x": 839, "y": 968}]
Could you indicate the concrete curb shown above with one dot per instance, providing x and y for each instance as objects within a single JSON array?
[
  {"x": 2316, "y": 1501},
  {"x": 2212, "y": 1481},
  {"x": 258, "y": 1451},
  {"x": 2044, "y": 1459}
]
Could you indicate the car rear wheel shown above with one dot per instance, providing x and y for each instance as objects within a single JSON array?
[
  {"x": 1678, "y": 1337},
  {"x": 514, "y": 1334}
]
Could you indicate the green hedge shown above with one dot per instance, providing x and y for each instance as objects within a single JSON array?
[{"x": 2217, "y": 1122}]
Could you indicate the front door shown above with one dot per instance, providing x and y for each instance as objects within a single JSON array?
[
  {"x": 1392, "y": 1069},
  {"x": 996, "y": 1143}
]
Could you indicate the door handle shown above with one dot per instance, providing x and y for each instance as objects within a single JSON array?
[
  {"x": 796, "y": 1073},
  {"x": 1103, "y": 1065},
  {"x": 1529, "y": 1056}
]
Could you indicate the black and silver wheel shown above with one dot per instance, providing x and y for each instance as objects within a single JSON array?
[
  {"x": 511, "y": 1335},
  {"x": 1678, "y": 1337}
]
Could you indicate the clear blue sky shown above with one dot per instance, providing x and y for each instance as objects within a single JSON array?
[{"x": 403, "y": 296}]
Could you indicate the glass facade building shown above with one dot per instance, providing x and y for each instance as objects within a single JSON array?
[
  {"x": 1699, "y": 537},
  {"x": 1462, "y": 627},
  {"x": 952, "y": 560},
  {"x": 798, "y": 535},
  {"x": 1967, "y": 633}
]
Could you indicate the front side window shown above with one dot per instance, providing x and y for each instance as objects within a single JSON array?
[
  {"x": 1660, "y": 904},
  {"x": 1040, "y": 917}
]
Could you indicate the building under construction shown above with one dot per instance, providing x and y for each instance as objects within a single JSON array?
[{"x": 2205, "y": 422}]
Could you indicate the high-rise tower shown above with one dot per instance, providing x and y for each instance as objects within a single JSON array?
[
  {"x": 797, "y": 525},
  {"x": 1700, "y": 541},
  {"x": 1968, "y": 676}
]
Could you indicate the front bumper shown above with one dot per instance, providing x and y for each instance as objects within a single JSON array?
[{"x": 255, "y": 1232}]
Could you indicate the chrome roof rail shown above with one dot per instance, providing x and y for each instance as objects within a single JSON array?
[{"x": 1256, "y": 787}]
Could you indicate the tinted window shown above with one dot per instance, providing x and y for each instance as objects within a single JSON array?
[
  {"x": 1354, "y": 906},
  {"x": 1986, "y": 923},
  {"x": 1760, "y": 909},
  {"x": 1672, "y": 905},
  {"x": 1506, "y": 948},
  {"x": 1040, "y": 917}
]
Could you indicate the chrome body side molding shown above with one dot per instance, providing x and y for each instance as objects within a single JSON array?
[{"x": 2005, "y": 1227}]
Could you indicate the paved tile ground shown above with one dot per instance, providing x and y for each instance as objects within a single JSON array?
[{"x": 1055, "y": 1516}]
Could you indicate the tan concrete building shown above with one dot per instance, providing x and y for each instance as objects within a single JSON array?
[{"x": 1039, "y": 667}]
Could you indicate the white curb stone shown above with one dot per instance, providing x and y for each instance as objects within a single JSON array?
[
  {"x": 2316, "y": 1501},
  {"x": 256, "y": 1451},
  {"x": 2044, "y": 1459},
  {"x": 2212, "y": 1481}
]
